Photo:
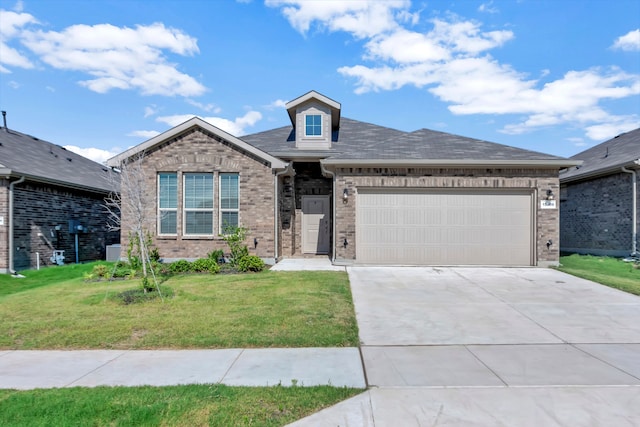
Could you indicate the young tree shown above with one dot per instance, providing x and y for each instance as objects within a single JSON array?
[{"x": 130, "y": 210}]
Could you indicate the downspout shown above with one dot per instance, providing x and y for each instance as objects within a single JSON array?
[
  {"x": 276, "y": 209},
  {"x": 333, "y": 217},
  {"x": 11, "y": 185},
  {"x": 634, "y": 187}
]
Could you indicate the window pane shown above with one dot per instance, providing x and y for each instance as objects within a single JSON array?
[
  {"x": 228, "y": 191},
  {"x": 229, "y": 219},
  {"x": 313, "y": 125},
  {"x": 198, "y": 222},
  {"x": 198, "y": 191},
  {"x": 168, "y": 190},
  {"x": 168, "y": 221}
]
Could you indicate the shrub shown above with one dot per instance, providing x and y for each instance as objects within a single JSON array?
[
  {"x": 100, "y": 271},
  {"x": 250, "y": 263},
  {"x": 180, "y": 266},
  {"x": 205, "y": 265},
  {"x": 234, "y": 236},
  {"x": 217, "y": 255}
]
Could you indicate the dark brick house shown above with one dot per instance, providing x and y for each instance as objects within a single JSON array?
[
  {"x": 599, "y": 199},
  {"x": 357, "y": 192},
  {"x": 50, "y": 200}
]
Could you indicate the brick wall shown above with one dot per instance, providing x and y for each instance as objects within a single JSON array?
[
  {"x": 38, "y": 208},
  {"x": 198, "y": 151},
  {"x": 547, "y": 220},
  {"x": 596, "y": 216}
]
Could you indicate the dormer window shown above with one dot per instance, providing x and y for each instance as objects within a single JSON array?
[{"x": 313, "y": 125}]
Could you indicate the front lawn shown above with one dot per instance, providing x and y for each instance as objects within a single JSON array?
[
  {"x": 609, "y": 271},
  {"x": 191, "y": 405},
  {"x": 55, "y": 308}
]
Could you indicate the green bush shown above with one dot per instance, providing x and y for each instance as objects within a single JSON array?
[
  {"x": 234, "y": 236},
  {"x": 216, "y": 255},
  {"x": 100, "y": 271},
  {"x": 250, "y": 263},
  {"x": 205, "y": 265},
  {"x": 180, "y": 266}
]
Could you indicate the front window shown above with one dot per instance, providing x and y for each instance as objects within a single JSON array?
[
  {"x": 229, "y": 201},
  {"x": 313, "y": 125},
  {"x": 198, "y": 203},
  {"x": 167, "y": 202}
]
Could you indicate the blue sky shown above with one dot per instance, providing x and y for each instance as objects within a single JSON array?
[{"x": 100, "y": 76}]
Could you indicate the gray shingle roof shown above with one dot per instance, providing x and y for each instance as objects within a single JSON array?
[
  {"x": 606, "y": 157},
  {"x": 359, "y": 140},
  {"x": 40, "y": 160}
]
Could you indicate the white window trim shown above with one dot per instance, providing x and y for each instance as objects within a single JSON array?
[
  {"x": 185, "y": 209},
  {"x": 220, "y": 210},
  {"x": 161, "y": 210},
  {"x": 306, "y": 135}
]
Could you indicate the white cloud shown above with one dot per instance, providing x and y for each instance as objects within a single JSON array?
[
  {"x": 146, "y": 134},
  {"x": 605, "y": 131},
  {"x": 13, "y": 24},
  {"x": 119, "y": 57},
  {"x": 96, "y": 154},
  {"x": 363, "y": 18},
  {"x": 452, "y": 61},
  {"x": 628, "y": 42},
  {"x": 209, "y": 108},
  {"x": 235, "y": 127},
  {"x": 488, "y": 8},
  {"x": 150, "y": 110},
  {"x": 278, "y": 103}
]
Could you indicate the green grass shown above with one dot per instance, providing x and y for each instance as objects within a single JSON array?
[
  {"x": 192, "y": 405},
  {"x": 55, "y": 308},
  {"x": 609, "y": 271}
]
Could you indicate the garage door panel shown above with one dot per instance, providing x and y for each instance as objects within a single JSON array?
[{"x": 444, "y": 228}]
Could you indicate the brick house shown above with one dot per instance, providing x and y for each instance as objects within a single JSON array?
[
  {"x": 357, "y": 192},
  {"x": 599, "y": 199},
  {"x": 46, "y": 193}
]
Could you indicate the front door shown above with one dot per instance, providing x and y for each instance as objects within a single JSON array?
[{"x": 315, "y": 224}]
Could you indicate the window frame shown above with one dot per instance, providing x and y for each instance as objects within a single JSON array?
[
  {"x": 186, "y": 210},
  {"x": 161, "y": 210},
  {"x": 320, "y": 126},
  {"x": 222, "y": 210}
]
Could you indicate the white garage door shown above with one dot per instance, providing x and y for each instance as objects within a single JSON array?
[{"x": 466, "y": 227}]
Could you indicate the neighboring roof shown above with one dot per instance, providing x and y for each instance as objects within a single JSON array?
[
  {"x": 39, "y": 160},
  {"x": 606, "y": 158},
  {"x": 334, "y": 105},
  {"x": 360, "y": 143},
  {"x": 188, "y": 126}
]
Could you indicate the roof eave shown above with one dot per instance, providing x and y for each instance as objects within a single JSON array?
[
  {"x": 65, "y": 184},
  {"x": 532, "y": 164},
  {"x": 186, "y": 126},
  {"x": 634, "y": 164}
]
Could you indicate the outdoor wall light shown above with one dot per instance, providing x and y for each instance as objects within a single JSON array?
[
  {"x": 255, "y": 242},
  {"x": 345, "y": 243},
  {"x": 345, "y": 195},
  {"x": 549, "y": 194}
]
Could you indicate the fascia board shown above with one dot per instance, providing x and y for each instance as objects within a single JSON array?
[
  {"x": 181, "y": 128},
  {"x": 560, "y": 163}
]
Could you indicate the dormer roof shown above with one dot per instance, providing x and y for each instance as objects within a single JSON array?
[{"x": 313, "y": 95}]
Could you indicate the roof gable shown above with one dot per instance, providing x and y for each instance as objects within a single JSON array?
[
  {"x": 310, "y": 96},
  {"x": 39, "y": 160},
  {"x": 607, "y": 157},
  {"x": 187, "y": 126}
]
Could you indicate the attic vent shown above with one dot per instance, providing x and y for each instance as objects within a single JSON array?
[
  {"x": 35, "y": 139},
  {"x": 607, "y": 153},
  {"x": 69, "y": 159}
]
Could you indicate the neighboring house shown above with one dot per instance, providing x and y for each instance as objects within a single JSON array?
[
  {"x": 599, "y": 199},
  {"x": 50, "y": 200},
  {"x": 358, "y": 192}
]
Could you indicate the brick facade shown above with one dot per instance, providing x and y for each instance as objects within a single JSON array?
[
  {"x": 4, "y": 227},
  {"x": 199, "y": 151},
  {"x": 538, "y": 181},
  {"x": 596, "y": 216},
  {"x": 38, "y": 209}
]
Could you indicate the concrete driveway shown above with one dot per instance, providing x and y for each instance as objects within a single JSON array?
[{"x": 492, "y": 346}]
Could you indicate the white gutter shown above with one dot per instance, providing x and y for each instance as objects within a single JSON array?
[
  {"x": 276, "y": 209},
  {"x": 13, "y": 184},
  {"x": 554, "y": 163},
  {"x": 333, "y": 220},
  {"x": 634, "y": 189}
]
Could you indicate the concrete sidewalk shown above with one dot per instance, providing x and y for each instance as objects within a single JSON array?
[{"x": 239, "y": 367}]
